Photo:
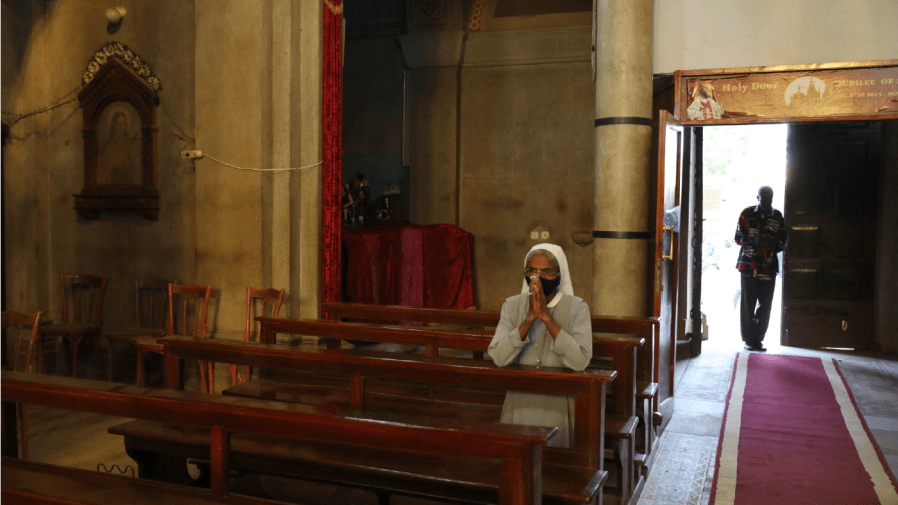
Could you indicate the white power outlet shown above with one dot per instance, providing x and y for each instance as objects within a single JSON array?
[
  {"x": 544, "y": 235},
  {"x": 192, "y": 154}
]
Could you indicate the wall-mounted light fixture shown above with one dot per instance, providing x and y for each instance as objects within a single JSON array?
[{"x": 115, "y": 14}]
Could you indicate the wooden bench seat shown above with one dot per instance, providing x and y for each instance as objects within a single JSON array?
[
  {"x": 28, "y": 483},
  {"x": 430, "y": 379},
  {"x": 647, "y": 368},
  {"x": 586, "y": 387},
  {"x": 379, "y": 470},
  {"x": 516, "y": 450},
  {"x": 621, "y": 354},
  {"x": 403, "y": 398}
]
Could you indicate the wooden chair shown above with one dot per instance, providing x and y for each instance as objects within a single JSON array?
[
  {"x": 82, "y": 316},
  {"x": 21, "y": 322},
  {"x": 190, "y": 310},
  {"x": 270, "y": 298},
  {"x": 150, "y": 316}
]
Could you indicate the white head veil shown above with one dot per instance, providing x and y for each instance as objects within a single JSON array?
[{"x": 565, "y": 287}]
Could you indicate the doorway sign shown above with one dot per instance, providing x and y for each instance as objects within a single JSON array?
[{"x": 832, "y": 92}]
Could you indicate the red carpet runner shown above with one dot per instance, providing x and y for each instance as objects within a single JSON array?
[{"x": 792, "y": 434}]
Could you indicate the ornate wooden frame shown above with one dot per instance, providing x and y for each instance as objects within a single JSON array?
[{"x": 116, "y": 82}]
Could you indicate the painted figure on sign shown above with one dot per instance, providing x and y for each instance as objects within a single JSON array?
[
  {"x": 704, "y": 105},
  {"x": 761, "y": 232}
]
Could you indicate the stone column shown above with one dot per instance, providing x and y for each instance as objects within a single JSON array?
[
  {"x": 258, "y": 105},
  {"x": 622, "y": 222},
  {"x": 291, "y": 200},
  {"x": 231, "y": 83},
  {"x": 306, "y": 222}
]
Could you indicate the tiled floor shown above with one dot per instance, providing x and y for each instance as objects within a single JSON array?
[{"x": 683, "y": 470}]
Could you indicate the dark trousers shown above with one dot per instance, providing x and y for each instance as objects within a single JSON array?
[{"x": 757, "y": 299}]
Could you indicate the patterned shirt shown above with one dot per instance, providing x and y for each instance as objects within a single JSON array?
[{"x": 761, "y": 237}]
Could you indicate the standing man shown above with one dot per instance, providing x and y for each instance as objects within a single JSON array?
[{"x": 762, "y": 234}]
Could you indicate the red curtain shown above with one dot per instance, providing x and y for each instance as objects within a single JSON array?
[
  {"x": 332, "y": 151},
  {"x": 410, "y": 265}
]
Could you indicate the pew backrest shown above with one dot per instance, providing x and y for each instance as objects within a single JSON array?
[
  {"x": 226, "y": 414},
  {"x": 623, "y": 350},
  {"x": 647, "y": 328},
  {"x": 587, "y": 388}
]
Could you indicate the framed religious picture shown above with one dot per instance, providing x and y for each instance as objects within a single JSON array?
[{"x": 119, "y": 103}]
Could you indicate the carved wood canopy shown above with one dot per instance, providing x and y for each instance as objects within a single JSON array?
[{"x": 119, "y": 108}]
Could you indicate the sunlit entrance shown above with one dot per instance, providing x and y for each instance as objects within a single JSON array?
[{"x": 737, "y": 161}]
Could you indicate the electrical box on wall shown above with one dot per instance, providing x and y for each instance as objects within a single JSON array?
[{"x": 539, "y": 233}]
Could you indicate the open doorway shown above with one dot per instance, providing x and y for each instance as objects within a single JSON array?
[{"x": 737, "y": 161}]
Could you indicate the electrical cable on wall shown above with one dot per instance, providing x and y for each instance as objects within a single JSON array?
[
  {"x": 205, "y": 155},
  {"x": 180, "y": 131},
  {"x": 197, "y": 154},
  {"x": 15, "y": 118},
  {"x": 53, "y": 105}
]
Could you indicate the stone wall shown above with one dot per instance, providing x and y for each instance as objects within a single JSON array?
[
  {"x": 50, "y": 45},
  {"x": 695, "y": 34},
  {"x": 527, "y": 161},
  {"x": 373, "y": 95},
  {"x": 243, "y": 77},
  {"x": 502, "y": 143}
]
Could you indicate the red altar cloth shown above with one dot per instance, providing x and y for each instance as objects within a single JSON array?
[{"x": 409, "y": 265}]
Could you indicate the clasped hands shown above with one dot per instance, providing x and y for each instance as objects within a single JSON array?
[{"x": 538, "y": 310}]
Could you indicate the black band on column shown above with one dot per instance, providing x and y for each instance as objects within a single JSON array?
[
  {"x": 622, "y": 234},
  {"x": 645, "y": 121}
]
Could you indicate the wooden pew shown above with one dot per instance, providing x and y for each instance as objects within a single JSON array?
[
  {"x": 517, "y": 448},
  {"x": 481, "y": 320},
  {"x": 569, "y": 475},
  {"x": 620, "y": 420},
  {"x": 647, "y": 328},
  {"x": 647, "y": 370}
]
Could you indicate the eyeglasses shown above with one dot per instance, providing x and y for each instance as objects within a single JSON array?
[{"x": 545, "y": 273}]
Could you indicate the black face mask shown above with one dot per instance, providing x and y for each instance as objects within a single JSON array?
[{"x": 549, "y": 285}]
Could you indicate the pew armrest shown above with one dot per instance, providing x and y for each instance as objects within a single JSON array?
[
  {"x": 621, "y": 426},
  {"x": 646, "y": 390}
]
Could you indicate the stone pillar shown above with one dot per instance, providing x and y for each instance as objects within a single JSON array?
[
  {"x": 231, "y": 99},
  {"x": 291, "y": 200},
  {"x": 306, "y": 221},
  {"x": 623, "y": 198},
  {"x": 258, "y": 105}
]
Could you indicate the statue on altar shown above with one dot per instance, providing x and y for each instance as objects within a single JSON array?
[
  {"x": 349, "y": 205},
  {"x": 362, "y": 196}
]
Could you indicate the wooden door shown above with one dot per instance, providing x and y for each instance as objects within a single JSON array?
[
  {"x": 667, "y": 226},
  {"x": 830, "y": 212}
]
